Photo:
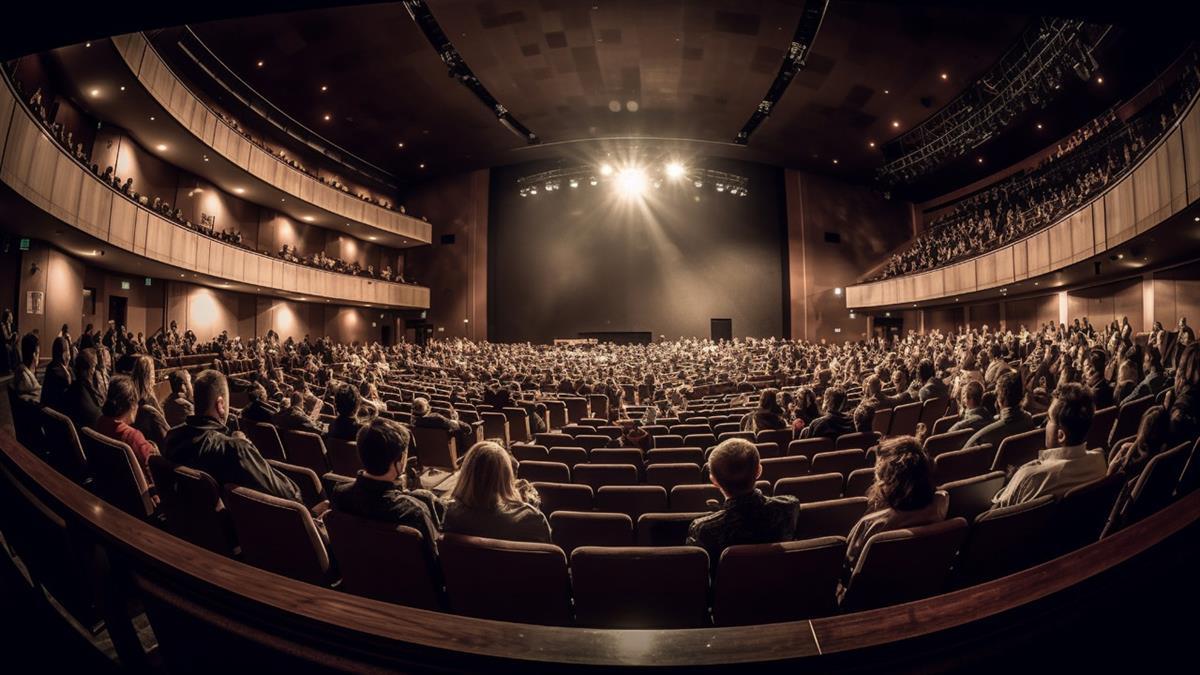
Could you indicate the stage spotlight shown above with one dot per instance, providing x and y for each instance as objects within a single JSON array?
[
  {"x": 720, "y": 187},
  {"x": 573, "y": 183},
  {"x": 593, "y": 182},
  {"x": 675, "y": 170},
  {"x": 533, "y": 191},
  {"x": 631, "y": 182},
  {"x": 524, "y": 192},
  {"x": 699, "y": 183},
  {"x": 606, "y": 169}
]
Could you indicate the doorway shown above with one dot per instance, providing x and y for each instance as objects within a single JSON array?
[
  {"x": 385, "y": 336},
  {"x": 117, "y": 306},
  {"x": 888, "y": 327}
]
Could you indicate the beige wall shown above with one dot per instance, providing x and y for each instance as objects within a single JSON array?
[{"x": 60, "y": 278}]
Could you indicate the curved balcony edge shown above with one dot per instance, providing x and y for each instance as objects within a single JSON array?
[
  {"x": 38, "y": 170},
  {"x": 1163, "y": 183},
  {"x": 169, "y": 91}
]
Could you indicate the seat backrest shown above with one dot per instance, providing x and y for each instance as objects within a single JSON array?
[
  {"x": 632, "y": 500},
  {"x": 1018, "y": 449},
  {"x": 612, "y": 432},
  {"x": 859, "y": 440},
  {"x": 574, "y": 430},
  {"x": 808, "y": 447},
  {"x": 525, "y": 452},
  {"x": 304, "y": 448},
  {"x": 277, "y": 535},
  {"x": 63, "y": 445},
  {"x": 933, "y": 410},
  {"x": 591, "y": 442},
  {"x": 834, "y": 517},
  {"x": 780, "y": 437},
  {"x": 670, "y": 475},
  {"x": 702, "y": 441},
  {"x": 1129, "y": 416},
  {"x": 745, "y": 435},
  {"x": 544, "y": 472},
  {"x": 942, "y": 425},
  {"x": 435, "y": 448},
  {"x": 206, "y": 521},
  {"x": 1156, "y": 485},
  {"x": 572, "y": 529},
  {"x": 599, "y": 404},
  {"x": 947, "y": 442},
  {"x": 518, "y": 425},
  {"x": 903, "y": 565},
  {"x": 597, "y": 475},
  {"x": 858, "y": 482},
  {"x": 965, "y": 463},
  {"x": 770, "y": 583},
  {"x": 668, "y": 441},
  {"x": 495, "y": 425},
  {"x": 1102, "y": 426},
  {"x": 564, "y": 497},
  {"x": 784, "y": 467},
  {"x": 725, "y": 427},
  {"x": 638, "y": 587},
  {"x": 343, "y": 456},
  {"x": 882, "y": 421},
  {"x": 695, "y": 498},
  {"x": 905, "y": 418},
  {"x": 570, "y": 456},
  {"x": 117, "y": 475},
  {"x": 265, "y": 437},
  {"x": 814, "y": 488},
  {"x": 557, "y": 411},
  {"x": 970, "y": 497},
  {"x": 675, "y": 456},
  {"x": 632, "y": 456},
  {"x": 665, "y": 529},
  {"x": 312, "y": 490},
  {"x": 1005, "y": 540},
  {"x": 506, "y": 580},
  {"x": 577, "y": 408},
  {"x": 839, "y": 461},
  {"x": 384, "y": 561},
  {"x": 550, "y": 440},
  {"x": 1189, "y": 479}
]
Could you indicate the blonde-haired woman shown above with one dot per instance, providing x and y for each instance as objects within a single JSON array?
[{"x": 488, "y": 501}]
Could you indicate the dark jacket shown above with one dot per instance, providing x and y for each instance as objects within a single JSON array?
[
  {"x": 388, "y": 502},
  {"x": 202, "y": 444},
  {"x": 344, "y": 428},
  {"x": 516, "y": 522},
  {"x": 82, "y": 402},
  {"x": 934, "y": 388},
  {"x": 829, "y": 426},
  {"x": 177, "y": 409},
  {"x": 1102, "y": 393},
  {"x": 295, "y": 419},
  {"x": 973, "y": 419},
  {"x": 1010, "y": 422},
  {"x": 54, "y": 385},
  {"x": 751, "y": 518},
  {"x": 1150, "y": 386},
  {"x": 259, "y": 411}
]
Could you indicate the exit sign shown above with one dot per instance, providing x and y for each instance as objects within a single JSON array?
[
  {"x": 23, "y": 245},
  {"x": 149, "y": 281},
  {"x": 124, "y": 285}
]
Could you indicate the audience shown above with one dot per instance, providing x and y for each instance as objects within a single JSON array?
[
  {"x": 1012, "y": 420},
  {"x": 25, "y": 385},
  {"x": 178, "y": 407},
  {"x": 117, "y": 419},
  {"x": 424, "y": 418},
  {"x": 488, "y": 501},
  {"x": 974, "y": 416},
  {"x": 347, "y": 425},
  {"x": 58, "y": 375},
  {"x": 834, "y": 422}
]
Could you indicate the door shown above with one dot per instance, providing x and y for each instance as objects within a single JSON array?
[
  {"x": 888, "y": 327},
  {"x": 721, "y": 329},
  {"x": 386, "y": 336},
  {"x": 116, "y": 310}
]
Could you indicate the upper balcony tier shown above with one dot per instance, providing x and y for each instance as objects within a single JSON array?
[
  {"x": 127, "y": 83},
  {"x": 59, "y": 188},
  {"x": 1164, "y": 183}
]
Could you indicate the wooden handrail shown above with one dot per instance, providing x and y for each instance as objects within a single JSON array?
[{"x": 326, "y": 609}]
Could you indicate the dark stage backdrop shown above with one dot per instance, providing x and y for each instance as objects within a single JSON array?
[{"x": 584, "y": 260}]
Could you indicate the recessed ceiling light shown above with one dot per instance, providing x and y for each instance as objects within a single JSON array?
[
  {"x": 324, "y": 88},
  {"x": 401, "y": 145},
  {"x": 979, "y": 159},
  {"x": 1039, "y": 125},
  {"x": 1197, "y": 219},
  {"x": 122, "y": 87},
  {"x": 152, "y": 118},
  {"x": 161, "y": 147},
  {"x": 896, "y": 124},
  {"x": 887, "y": 91},
  {"x": 422, "y": 165},
  {"x": 945, "y": 76},
  {"x": 327, "y": 118},
  {"x": 835, "y": 161},
  {"x": 371, "y": 238},
  {"x": 1099, "y": 80},
  {"x": 240, "y": 190},
  {"x": 309, "y": 219},
  {"x": 87, "y": 44},
  {"x": 871, "y": 144},
  {"x": 260, "y": 64},
  {"x": 94, "y": 93}
]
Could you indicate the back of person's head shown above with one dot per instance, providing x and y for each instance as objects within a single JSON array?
[
  {"x": 210, "y": 388},
  {"x": 1070, "y": 416},
  {"x": 903, "y": 476},
  {"x": 925, "y": 369},
  {"x": 381, "y": 445},
  {"x": 864, "y": 417},
  {"x": 734, "y": 466},
  {"x": 485, "y": 480},
  {"x": 420, "y": 406},
  {"x": 1187, "y": 375},
  {"x": 29, "y": 349},
  {"x": 143, "y": 376},
  {"x": 972, "y": 394},
  {"x": 835, "y": 399},
  {"x": 1096, "y": 360},
  {"x": 1152, "y": 359},
  {"x": 85, "y": 363},
  {"x": 769, "y": 401},
  {"x": 1153, "y": 430},
  {"x": 60, "y": 350},
  {"x": 1009, "y": 389},
  {"x": 257, "y": 393},
  {"x": 296, "y": 400},
  {"x": 872, "y": 386},
  {"x": 346, "y": 401},
  {"x": 121, "y": 397},
  {"x": 179, "y": 380}
]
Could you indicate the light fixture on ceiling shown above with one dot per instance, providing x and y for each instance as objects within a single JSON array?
[
  {"x": 327, "y": 117},
  {"x": 400, "y": 145},
  {"x": 94, "y": 93},
  {"x": 631, "y": 182},
  {"x": 945, "y": 76},
  {"x": 240, "y": 190},
  {"x": 422, "y": 165},
  {"x": 122, "y": 87},
  {"x": 87, "y": 44},
  {"x": 606, "y": 169},
  {"x": 161, "y": 147},
  {"x": 1039, "y": 125},
  {"x": 324, "y": 88},
  {"x": 260, "y": 64},
  {"x": 309, "y": 219},
  {"x": 895, "y": 124},
  {"x": 870, "y": 144},
  {"x": 675, "y": 170},
  {"x": 574, "y": 183},
  {"x": 372, "y": 237},
  {"x": 835, "y": 161}
]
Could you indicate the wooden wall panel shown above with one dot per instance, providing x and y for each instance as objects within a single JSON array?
[
  {"x": 1119, "y": 212},
  {"x": 1191, "y": 153}
]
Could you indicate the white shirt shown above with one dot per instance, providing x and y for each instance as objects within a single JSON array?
[{"x": 1054, "y": 472}]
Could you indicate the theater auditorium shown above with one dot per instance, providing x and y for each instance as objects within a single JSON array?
[{"x": 544, "y": 336}]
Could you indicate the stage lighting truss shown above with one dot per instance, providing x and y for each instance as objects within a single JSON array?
[
  {"x": 669, "y": 175},
  {"x": 1029, "y": 74}
]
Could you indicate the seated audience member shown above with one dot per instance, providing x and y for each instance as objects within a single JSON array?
[
  {"x": 117, "y": 418},
  {"x": 864, "y": 417},
  {"x": 1131, "y": 457},
  {"x": 202, "y": 444},
  {"x": 83, "y": 399},
  {"x": 25, "y": 383},
  {"x": 901, "y": 397},
  {"x": 58, "y": 375},
  {"x": 805, "y": 408},
  {"x": 1093, "y": 372},
  {"x": 347, "y": 426},
  {"x": 902, "y": 496},
  {"x": 1184, "y": 400},
  {"x": 497, "y": 396},
  {"x": 423, "y": 418},
  {"x": 769, "y": 414},
  {"x": 974, "y": 416},
  {"x": 747, "y": 516},
  {"x": 1066, "y": 463},
  {"x": 1012, "y": 419},
  {"x": 834, "y": 422},
  {"x": 260, "y": 408},
  {"x": 489, "y": 502},
  {"x": 295, "y": 417},
  {"x": 150, "y": 421},
  {"x": 932, "y": 386},
  {"x": 378, "y": 492},
  {"x": 179, "y": 405},
  {"x": 1155, "y": 379}
]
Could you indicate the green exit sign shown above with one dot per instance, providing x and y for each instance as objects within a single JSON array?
[
  {"x": 23, "y": 245},
  {"x": 124, "y": 285},
  {"x": 149, "y": 281}
]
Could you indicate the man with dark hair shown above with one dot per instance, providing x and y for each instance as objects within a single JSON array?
[
  {"x": 178, "y": 406},
  {"x": 932, "y": 386},
  {"x": 974, "y": 415},
  {"x": 83, "y": 399},
  {"x": 424, "y": 418},
  {"x": 1093, "y": 372},
  {"x": 378, "y": 491},
  {"x": 296, "y": 417},
  {"x": 25, "y": 384},
  {"x": 864, "y": 417},
  {"x": 1012, "y": 419},
  {"x": 1066, "y": 462},
  {"x": 346, "y": 426},
  {"x": 1155, "y": 380},
  {"x": 834, "y": 422},
  {"x": 747, "y": 516},
  {"x": 202, "y": 444},
  {"x": 260, "y": 408}
]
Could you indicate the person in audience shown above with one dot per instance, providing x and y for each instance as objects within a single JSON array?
[
  {"x": 260, "y": 408},
  {"x": 346, "y": 426},
  {"x": 901, "y": 397},
  {"x": 378, "y": 492},
  {"x": 25, "y": 385},
  {"x": 974, "y": 416},
  {"x": 117, "y": 418},
  {"x": 769, "y": 414},
  {"x": 203, "y": 444},
  {"x": 1093, "y": 371},
  {"x": 85, "y": 396},
  {"x": 178, "y": 406},
  {"x": 932, "y": 386},
  {"x": 864, "y": 417},
  {"x": 1154, "y": 381},
  {"x": 58, "y": 374},
  {"x": 1066, "y": 462},
  {"x": 150, "y": 421},
  {"x": 902, "y": 496},
  {"x": 747, "y": 516},
  {"x": 296, "y": 416},
  {"x": 834, "y": 422},
  {"x": 8, "y": 342},
  {"x": 805, "y": 409},
  {"x": 488, "y": 501},
  {"x": 424, "y": 418},
  {"x": 1183, "y": 402},
  {"x": 1132, "y": 456},
  {"x": 1012, "y": 419}
]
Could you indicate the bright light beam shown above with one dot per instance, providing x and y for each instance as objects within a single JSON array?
[
  {"x": 675, "y": 170},
  {"x": 631, "y": 182}
]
